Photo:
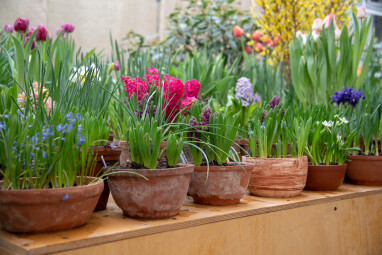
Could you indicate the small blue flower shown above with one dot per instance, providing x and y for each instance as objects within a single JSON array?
[
  {"x": 6, "y": 116},
  {"x": 44, "y": 154},
  {"x": 59, "y": 127},
  {"x": 63, "y": 138},
  {"x": 67, "y": 128},
  {"x": 70, "y": 118},
  {"x": 66, "y": 197},
  {"x": 32, "y": 154},
  {"x": 263, "y": 125},
  {"x": 81, "y": 140},
  {"x": 2, "y": 126},
  {"x": 250, "y": 132},
  {"x": 78, "y": 116}
]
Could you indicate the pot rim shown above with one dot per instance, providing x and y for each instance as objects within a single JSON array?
[
  {"x": 247, "y": 167},
  {"x": 54, "y": 189},
  {"x": 182, "y": 169},
  {"x": 328, "y": 166},
  {"x": 274, "y": 159},
  {"x": 365, "y": 158},
  {"x": 101, "y": 148}
]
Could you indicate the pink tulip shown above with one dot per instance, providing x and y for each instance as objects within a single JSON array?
[
  {"x": 68, "y": 28},
  {"x": 298, "y": 33},
  {"x": 337, "y": 33},
  {"x": 8, "y": 28},
  {"x": 33, "y": 43},
  {"x": 238, "y": 31},
  {"x": 317, "y": 24},
  {"x": 361, "y": 13},
  {"x": 21, "y": 25},
  {"x": 328, "y": 19},
  {"x": 116, "y": 66},
  {"x": 248, "y": 49},
  {"x": 315, "y": 34},
  {"x": 42, "y": 33},
  {"x": 258, "y": 47}
]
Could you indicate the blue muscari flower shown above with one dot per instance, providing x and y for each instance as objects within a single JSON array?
[
  {"x": 347, "y": 95},
  {"x": 81, "y": 140},
  {"x": 44, "y": 154},
  {"x": 67, "y": 128},
  {"x": 32, "y": 154},
  {"x": 45, "y": 133},
  {"x": 63, "y": 138},
  {"x": 6, "y": 116},
  {"x": 34, "y": 140},
  {"x": 355, "y": 97},
  {"x": 59, "y": 127},
  {"x": 78, "y": 116},
  {"x": 66, "y": 197},
  {"x": 2, "y": 126},
  {"x": 70, "y": 118},
  {"x": 263, "y": 125},
  {"x": 250, "y": 132}
]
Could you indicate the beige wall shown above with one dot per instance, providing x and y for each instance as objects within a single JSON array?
[{"x": 95, "y": 19}]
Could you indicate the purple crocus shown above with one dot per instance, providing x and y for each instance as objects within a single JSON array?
[
  {"x": 355, "y": 97},
  {"x": 275, "y": 101},
  {"x": 8, "y": 28},
  {"x": 244, "y": 92},
  {"x": 347, "y": 95}
]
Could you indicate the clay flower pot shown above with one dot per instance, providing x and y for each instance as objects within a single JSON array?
[
  {"x": 161, "y": 196},
  {"x": 225, "y": 185},
  {"x": 277, "y": 177},
  {"x": 365, "y": 170},
  {"x": 244, "y": 144},
  {"x": 111, "y": 157},
  {"x": 325, "y": 177},
  {"x": 48, "y": 210}
]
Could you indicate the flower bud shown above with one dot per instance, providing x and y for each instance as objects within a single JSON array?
[
  {"x": 116, "y": 66},
  {"x": 41, "y": 33},
  {"x": 68, "y": 28},
  {"x": 361, "y": 13},
  {"x": 328, "y": 19},
  {"x": 248, "y": 49},
  {"x": 317, "y": 24},
  {"x": 256, "y": 36},
  {"x": 33, "y": 46},
  {"x": 8, "y": 28},
  {"x": 238, "y": 31},
  {"x": 315, "y": 34},
  {"x": 30, "y": 31},
  {"x": 258, "y": 47},
  {"x": 21, "y": 25}
]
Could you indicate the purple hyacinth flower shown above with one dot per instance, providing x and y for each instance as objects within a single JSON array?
[
  {"x": 244, "y": 92},
  {"x": 275, "y": 101}
]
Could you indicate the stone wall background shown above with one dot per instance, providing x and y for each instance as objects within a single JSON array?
[{"x": 96, "y": 19}]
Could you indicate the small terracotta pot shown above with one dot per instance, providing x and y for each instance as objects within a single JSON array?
[
  {"x": 111, "y": 157},
  {"x": 161, "y": 196},
  {"x": 124, "y": 153},
  {"x": 277, "y": 177},
  {"x": 44, "y": 210},
  {"x": 325, "y": 177},
  {"x": 224, "y": 185},
  {"x": 365, "y": 170},
  {"x": 244, "y": 144}
]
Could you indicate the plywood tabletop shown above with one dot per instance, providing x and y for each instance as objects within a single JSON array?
[{"x": 110, "y": 225}]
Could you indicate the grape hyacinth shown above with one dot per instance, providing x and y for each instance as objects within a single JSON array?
[
  {"x": 347, "y": 95},
  {"x": 244, "y": 92}
]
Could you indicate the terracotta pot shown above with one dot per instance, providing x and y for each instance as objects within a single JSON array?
[
  {"x": 365, "y": 170},
  {"x": 124, "y": 153},
  {"x": 325, "y": 177},
  {"x": 244, "y": 144},
  {"x": 278, "y": 177},
  {"x": 161, "y": 196},
  {"x": 44, "y": 210},
  {"x": 111, "y": 136},
  {"x": 225, "y": 185},
  {"x": 111, "y": 157}
]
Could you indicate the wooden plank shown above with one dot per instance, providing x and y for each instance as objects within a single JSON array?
[{"x": 110, "y": 225}]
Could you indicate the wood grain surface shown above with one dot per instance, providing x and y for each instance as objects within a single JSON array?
[{"x": 349, "y": 219}]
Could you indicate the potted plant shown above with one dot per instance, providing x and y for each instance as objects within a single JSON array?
[
  {"x": 275, "y": 173},
  {"x": 45, "y": 168},
  {"x": 327, "y": 151},
  {"x": 216, "y": 181},
  {"x": 365, "y": 167},
  {"x": 104, "y": 152}
]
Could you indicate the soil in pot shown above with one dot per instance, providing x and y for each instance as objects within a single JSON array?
[
  {"x": 277, "y": 177},
  {"x": 365, "y": 170},
  {"x": 325, "y": 177},
  {"x": 48, "y": 210},
  {"x": 161, "y": 196},
  {"x": 221, "y": 185},
  {"x": 111, "y": 157}
]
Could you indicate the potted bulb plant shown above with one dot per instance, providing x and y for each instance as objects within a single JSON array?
[
  {"x": 46, "y": 187},
  {"x": 216, "y": 181},
  {"x": 327, "y": 151},
  {"x": 275, "y": 173}
]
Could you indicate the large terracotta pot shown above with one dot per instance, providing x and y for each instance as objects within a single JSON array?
[
  {"x": 325, "y": 177},
  {"x": 221, "y": 185},
  {"x": 365, "y": 170},
  {"x": 48, "y": 210},
  {"x": 111, "y": 157},
  {"x": 161, "y": 196},
  {"x": 278, "y": 177}
]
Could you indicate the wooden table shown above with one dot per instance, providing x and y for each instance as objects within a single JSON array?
[{"x": 347, "y": 221}]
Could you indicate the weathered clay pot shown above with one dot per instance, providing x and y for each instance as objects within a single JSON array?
[
  {"x": 224, "y": 185},
  {"x": 325, "y": 177},
  {"x": 244, "y": 144},
  {"x": 111, "y": 157},
  {"x": 45, "y": 210},
  {"x": 124, "y": 153},
  {"x": 161, "y": 196},
  {"x": 277, "y": 177},
  {"x": 365, "y": 170}
]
